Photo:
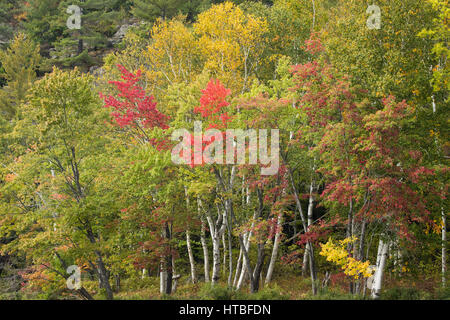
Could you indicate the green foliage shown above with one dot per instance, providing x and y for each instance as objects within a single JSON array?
[
  {"x": 99, "y": 20},
  {"x": 10, "y": 14},
  {"x": 218, "y": 292},
  {"x": 20, "y": 62},
  {"x": 440, "y": 33},
  {"x": 41, "y": 21},
  {"x": 136, "y": 282},
  {"x": 63, "y": 123},
  {"x": 223, "y": 292},
  {"x": 79, "y": 189},
  {"x": 272, "y": 293},
  {"x": 150, "y": 10},
  {"x": 333, "y": 294},
  {"x": 443, "y": 293},
  {"x": 391, "y": 60},
  {"x": 404, "y": 294}
]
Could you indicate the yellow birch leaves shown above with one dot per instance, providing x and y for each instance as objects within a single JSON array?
[
  {"x": 337, "y": 253},
  {"x": 173, "y": 53},
  {"x": 231, "y": 43}
]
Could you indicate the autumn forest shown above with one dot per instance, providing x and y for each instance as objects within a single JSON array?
[{"x": 208, "y": 149}]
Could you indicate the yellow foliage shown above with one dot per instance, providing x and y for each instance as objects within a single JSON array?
[
  {"x": 173, "y": 53},
  {"x": 435, "y": 227},
  {"x": 231, "y": 43},
  {"x": 336, "y": 253}
]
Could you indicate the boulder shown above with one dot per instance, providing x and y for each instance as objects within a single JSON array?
[{"x": 120, "y": 34}]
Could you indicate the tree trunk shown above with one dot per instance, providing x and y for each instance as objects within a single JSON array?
[
  {"x": 188, "y": 242},
  {"x": 144, "y": 270},
  {"x": 205, "y": 250},
  {"x": 360, "y": 254},
  {"x": 191, "y": 256},
  {"x": 175, "y": 279},
  {"x": 443, "y": 215},
  {"x": 166, "y": 275},
  {"x": 247, "y": 264},
  {"x": 216, "y": 259},
  {"x": 238, "y": 267},
  {"x": 245, "y": 203},
  {"x": 305, "y": 261},
  {"x": 84, "y": 294},
  {"x": 274, "y": 255},
  {"x": 216, "y": 235},
  {"x": 230, "y": 252},
  {"x": 258, "y": 267},
  {"x": 361, "y": 240},
  {"x": 224, "y": 263},
  {"x": 310, "y": 217},
  {"x": 381, "y": 263},
  {"x": 103, "y": 275},
  {"x": 305, "y": 227},
  {"x": 349, "y": 234},
  {"x": 162, "y": 278},
  {"x": 246, "y": 242},
  {"x": 166, "y": 272},
  {"x": 312, "y": 267},
  {"x": 310, "y": 222},
  {"x": 80, "y": 47},
  {"x": 245, "y": 248}
]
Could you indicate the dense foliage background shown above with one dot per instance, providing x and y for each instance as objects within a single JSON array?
[{"x": 356, "y": 210}]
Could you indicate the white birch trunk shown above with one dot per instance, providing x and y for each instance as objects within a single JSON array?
[
  {"x": 244, "y": 262},
  {"x": 381, "y": 263},
  {"x": 444, "y": 222},
  {"x": 240, "y": 258},
  {"x": 188, "y": 243},
  {"x": 205, "y": 251},
  {"x": 247, "y": 248},
  {"x": 273, "y": 258},
  {"x": 305, "y": 261},
  {"x": 216, "y": 235},
  {"x": 191, "y": 256},
  {"x": 309, "y": 223},
  {"x": 162, "y": 281},
  {"x": 224, "y": 246},
  {"x": 216, "y": 259},
  {"x": 238, "y": 268}
]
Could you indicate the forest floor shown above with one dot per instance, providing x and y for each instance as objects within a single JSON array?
[{"x": 286, "y": 286}]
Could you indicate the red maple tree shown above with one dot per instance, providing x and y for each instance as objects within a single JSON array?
[{"x": 133, "y": 108}]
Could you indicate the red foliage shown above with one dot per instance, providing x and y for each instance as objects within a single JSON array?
[
  {"x": 212, "y": 103},
  {"x": 367, "y": 153},
  {"x": 133, "y": 107},
  {"x": 313, "y": 45}
]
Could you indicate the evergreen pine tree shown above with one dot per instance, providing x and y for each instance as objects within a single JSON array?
[
  {"x": 150, "y": 10},
  {"x": 10, "y": 14},
  {"x": 42, "y": 23},
  {"x": 5, "y": 28},
  {"x": 99, "y": 20},
  {"x": 20, "y": 62}
]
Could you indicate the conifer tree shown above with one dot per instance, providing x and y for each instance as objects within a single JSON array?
[
  {"x": 41, "y": 22},
  {"x": 99, "y": 21},
  {"x": 150, "y": 10},
  {"x": 10, "y": 14},
  {"x": 20, "y": 62}
]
